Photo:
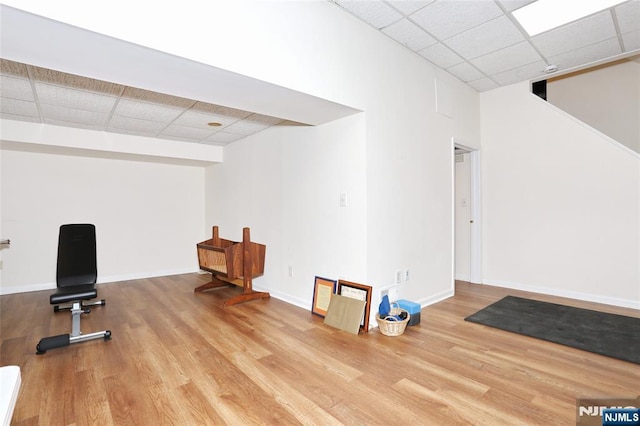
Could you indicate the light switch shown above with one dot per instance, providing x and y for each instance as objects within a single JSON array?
[{"x": 343, "y": 199}]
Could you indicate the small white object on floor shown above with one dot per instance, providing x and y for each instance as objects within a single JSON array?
[{"x": 9, "y": 387}]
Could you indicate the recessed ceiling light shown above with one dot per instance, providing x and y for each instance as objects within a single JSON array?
[
  {"x": 543, "y": 15},
  {"x": 214, "y": 124}
]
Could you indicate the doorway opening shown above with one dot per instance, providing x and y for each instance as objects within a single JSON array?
[{"x": 467, "y": 218}]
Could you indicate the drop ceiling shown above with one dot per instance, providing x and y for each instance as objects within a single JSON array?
[
  {"x": 479, "y": 42},
  {"x": 40, "y": 95},
  {"x": 482, "y": 44}
]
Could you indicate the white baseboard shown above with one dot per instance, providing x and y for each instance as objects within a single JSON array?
[
  {"x": 435, "y": 298},
  {"x": 306, "y": 305},
  {"x": 463, "y": 277},
  {"x": 26, "y": 288},
  {"x": 587, "y": 297},
  {"x": 101, "y": 280},
  {"x": 296, "y": 301},
  {"x": 142, "y": 275}
]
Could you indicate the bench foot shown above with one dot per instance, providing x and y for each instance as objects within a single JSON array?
[
  {"x": 52, "y": 342},
  {"x": 66, "y": 339}
]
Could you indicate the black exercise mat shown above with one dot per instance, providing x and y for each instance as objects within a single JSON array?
[{"x": 612, "y": 335}]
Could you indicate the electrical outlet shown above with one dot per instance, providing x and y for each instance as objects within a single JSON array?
[
  {"x": 398, "y": 277},
  {"x": 290, "y": 271},
  {"x": 391, "y": 292},
  {"x": 343, "y": 199},
  {"x": 406, "y": 274}
]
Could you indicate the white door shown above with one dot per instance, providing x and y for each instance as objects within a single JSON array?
[
  {"x": 467, "y": 217},
  {"x": 462, "y": 212}
]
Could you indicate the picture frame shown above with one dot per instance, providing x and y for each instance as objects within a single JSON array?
[
  {"x": 360, "y": 292},
  {"x": 323, "y": 288}
]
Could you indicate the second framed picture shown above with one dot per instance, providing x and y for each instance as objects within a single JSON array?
[
  {"x": 360, "y": 292},
  {"x": 322, "y": 290}
]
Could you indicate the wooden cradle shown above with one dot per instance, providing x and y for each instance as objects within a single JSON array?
[{"x": 232, "y": 262}]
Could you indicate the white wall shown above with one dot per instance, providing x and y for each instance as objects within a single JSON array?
[
  {"x": 561, "y": 202},
  {"x": 148, "y": 216},
  {"x": 607, "y": 98},
  {"x": 285, "y": 184},
  {"x": 394, "y": 160}
]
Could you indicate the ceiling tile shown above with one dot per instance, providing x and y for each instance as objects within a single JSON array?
[
  {"x": 409, "y": 34},
  {"x": 483, "y": 84},
  {"x": 131, "y": 132},
  {"x": 511, "y": 5},
  {"x": 628, "y": 16},
  {"x": 441, "y": 56},
  {"x": 446, "y": 18},
  {"x": 146, "y": 111},
  {"x": 485, "y": 38},
  {"x": 200, "y": 120},
  {"x": 180, "y": 139},
  {"x": 631, "y": 41},
  {"x": 603, "y": 49},
  {"x": 156, "y": 98},
  {"x": 576, "y": 35},
  {"x": 252, "y": 124},
  {"x": 19, "y": 107},
  {"x": 16, "y": 88},
  {"x": 263, "y": 119},
  {"x": 508, "y": 58},
  {"x": 186, "y": 132},
  {"x": 222, "y": 138},
  {"x": 465, "y": 72},
  {"x": 134, "y": 124},
  {"x": 17, "y": 117},
  {"x": 15, "y": 69},
  {"x": 219, "y": 111},
  {"x": 73, "y": 81},
  {"x": 409, "y": 6},
  {"x": 63, "y": 123},
  {"x": 54, "y": 114},
  {"x": 72, "y": 98},
  {"x": 374, "y": 12},
  {"x": 526, "y": 72}
]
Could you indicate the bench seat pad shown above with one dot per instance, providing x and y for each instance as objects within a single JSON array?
[{"x": 73, "y": 293}]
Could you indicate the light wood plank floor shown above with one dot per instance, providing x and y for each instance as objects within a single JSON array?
[{"x": 181, "y": 358}]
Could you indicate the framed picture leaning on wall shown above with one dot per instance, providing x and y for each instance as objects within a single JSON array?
[
  {"x": 360, "y": 292},
  {"x": 322, "y": 290}
]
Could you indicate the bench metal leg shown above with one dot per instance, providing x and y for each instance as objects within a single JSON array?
[{"x": 76, "y": 335}]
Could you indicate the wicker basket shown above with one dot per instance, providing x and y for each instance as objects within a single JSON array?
[{"x": 389, "y": 326}]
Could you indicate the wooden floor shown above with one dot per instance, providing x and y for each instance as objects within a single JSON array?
[{"x": 181, "y": 358}]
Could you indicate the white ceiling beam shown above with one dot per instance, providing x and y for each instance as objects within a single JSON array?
[{"x": 36, "y": 40}]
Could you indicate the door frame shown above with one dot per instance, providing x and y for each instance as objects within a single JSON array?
[{"x": 475, "y": 267}]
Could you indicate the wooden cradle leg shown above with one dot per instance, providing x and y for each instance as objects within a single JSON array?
[
  {"x": 245, "y": 297},
  {"x": 247, "y": 270},
  {"x": 214, "y": 283}
]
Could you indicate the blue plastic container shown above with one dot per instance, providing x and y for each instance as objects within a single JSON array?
[{"x": 413, "y": 308}]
